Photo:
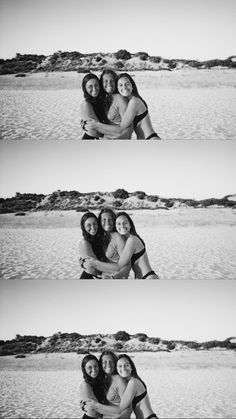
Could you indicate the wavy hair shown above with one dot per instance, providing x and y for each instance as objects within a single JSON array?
[
  {"x": 134, "y": 86},
  {"x": 133, "y": 368},
  {"x": 107, "y": 97},
  {"x": 95, "y": 241},
  {"x": 107, "y": 380},
  {"x": 132, "y": 226},
  {"x": 95, "y": 383},
  {"x": 106, "y": 237},
  {"x": 96, "y": 102}
]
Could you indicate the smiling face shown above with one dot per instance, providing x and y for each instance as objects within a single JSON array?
[
  {"x": 92, "y": 368},
  {"x": 124, "y": 368},
  {"x": 107, "y": 222},
  {"x": 108, "y": 365},
  {"x": 91, "y": 226},
  {"x": 92, "y": 87},
  {"x": 125, "y": 87},
  {"x": 108, "y": 83},
  {"x": 123, "y": 225}
]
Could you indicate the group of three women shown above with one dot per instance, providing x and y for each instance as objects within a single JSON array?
[
  {"x": 110, "y": 247},
  {"x": 113, "y": 108},
  {"x": 112, "y": 388}
]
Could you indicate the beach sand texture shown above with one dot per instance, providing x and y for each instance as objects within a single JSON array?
[
  {"x": 181, "y": 243},
  {"x": 184, "y": 104},
  {"x": 180, "y": 384}
]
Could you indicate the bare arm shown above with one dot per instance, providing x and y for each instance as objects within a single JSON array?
[
  {"x": 126, "y": 122},
  {"x": 86, "y": 393},
  {"x": 120, "y": 244},
  {"x": 125, "y": 402},
  {"x": 87, "y": 112},
  {"x": 85, "y": 250},
  {"x": 125, "y": 258}
]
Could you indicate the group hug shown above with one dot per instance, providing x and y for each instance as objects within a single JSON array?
[
  {"x": 113, "y": 108},
  {"x": 111, "y": 247},
  {"x": 112, "y": 388}
]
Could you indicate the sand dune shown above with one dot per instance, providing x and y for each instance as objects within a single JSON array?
[
  {"x": 181, "y": 244},
  {"x": 185, "y": 104},
  {"x": 186, "y": 384}
]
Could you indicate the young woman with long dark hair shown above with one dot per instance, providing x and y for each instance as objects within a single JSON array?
[
  {"x": 113, "y": 243},
  {"x": 113, "y": 384},
  {"x": 114, "y": 104},
  {"x": 134, "y": 252},
  {"x": 135, "y": 393},
  {"x": 90, "y": 245},
  {"x": 92, "y": 106},
  {"x": 136, "y": 113},
  {"x": 92, "y": 386}
]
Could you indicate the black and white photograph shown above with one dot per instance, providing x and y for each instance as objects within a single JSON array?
[
  {"x": 125, "y": 349},
  {"x": 137, "y": 69},
  {"x": 108, "y": 210},
  {"x": 117, "y": 258}
]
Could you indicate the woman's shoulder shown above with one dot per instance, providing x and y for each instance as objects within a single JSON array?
[
  {"x": 119, "y": 100},
  {"x": 86, "y": 106},
  {"x": 84, "y": 244},
  {"x": 117, "y": 379},
  {"x": 115, "y": 236},
  {"x": 84, "y": 386},
  {"x": 132, "y": 239}
]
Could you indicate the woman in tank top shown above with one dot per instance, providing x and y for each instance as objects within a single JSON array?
[
  {"x": 136, "y": 113},
  {"x": 91, "y": 386},
  {"x": 134, "y": 252},
  {"x": 91, "y": 106},
  {"x": 113, "y": 243},
  {"x": 114, "y": 385},
  {"x": 115, "y": 105},
  {"x": 134, "y": 394}
]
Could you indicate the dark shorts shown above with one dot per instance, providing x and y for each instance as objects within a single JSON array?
[
  {"x": 152, "y": 136},
  {"x": 89, "y": 137},
  {"x": 149, "y": 273},
  {"x": 85, "y": 275}
]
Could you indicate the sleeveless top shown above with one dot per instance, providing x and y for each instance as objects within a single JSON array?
[
  {"x": 113, "y": 395},
  {"x": 138, "y": 399},
  {"x": 113, "y": 114},
  {"x": 114, "y": 117},
  {"x": 138, "y": 255},
  {"x": 112, "y": 253},
  {"x": 139, "y": 118}
]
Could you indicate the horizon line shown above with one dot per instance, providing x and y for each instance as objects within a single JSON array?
[
  {"x": 109, "y": 192},
  {"x": 107, "y": 52}
]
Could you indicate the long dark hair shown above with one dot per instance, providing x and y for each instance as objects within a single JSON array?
[
  {"x": 96, "y": 102},
  {"x": 106, "y": 236},
  {"x": 132, "y": 226},
  {"x": 95, "y": 241},
  {"x": 133, "y": 368},
  {"x": 107, "y": 380},
  {"x": 134, "y": 86},
  {"x": 95, "y": 383},
  {"x": 107, "y": 98}
]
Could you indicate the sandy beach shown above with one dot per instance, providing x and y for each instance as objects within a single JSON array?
[
  {"x": 181, "y": 243},
  {"x": 184, "y": 104},
  {"x": 184, "y": 384}
]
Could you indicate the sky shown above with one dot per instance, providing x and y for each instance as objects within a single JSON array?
[
  {"x": 190, "y": 29},
  {"x": 170, "y": 169},
  {"x": 189, "y": 310}
]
